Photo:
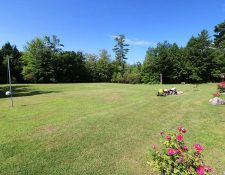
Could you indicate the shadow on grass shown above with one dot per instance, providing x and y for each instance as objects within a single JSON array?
[{"x": 23, "y": 90}]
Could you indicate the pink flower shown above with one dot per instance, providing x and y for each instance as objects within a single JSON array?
[
  {"x": 168, "y": 137},
  {"x": 185, "y": 147},
  {"x": 180, "y": 137},
  {"x": 180, "y": 159},
  {"x": 208, "y": 168},
  {"x": 198, "y": 148},
  {"x": 179, "y": 128},
  {"x": 201, "y": 170},
  {"x": 182, "y": 129},
  {"x": 171, "y": 151},
  {"x": 189, "y": 170},
  {"x": 153, "y": 146},
  {"x": 178, "y": 151},
  {"x": 161, "y": 133}
]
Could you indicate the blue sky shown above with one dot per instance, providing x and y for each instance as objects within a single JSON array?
[{"x": 89, "y": 25}]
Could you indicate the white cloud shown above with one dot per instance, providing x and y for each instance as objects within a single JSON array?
[
  {"x": 113, "y": 36},
  {"x": 136, "y": 41},
  {"x": 139, "y": 42}
]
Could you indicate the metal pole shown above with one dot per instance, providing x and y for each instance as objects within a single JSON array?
[{"x": 10, "y": 82}]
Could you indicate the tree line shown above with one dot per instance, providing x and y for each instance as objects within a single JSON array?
[{"x": 43, "y": 60}]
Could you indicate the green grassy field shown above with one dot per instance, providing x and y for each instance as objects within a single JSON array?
[{"x": 103, "y": 128}]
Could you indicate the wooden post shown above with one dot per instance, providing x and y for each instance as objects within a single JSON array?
[{"x": 160, "y": 78}]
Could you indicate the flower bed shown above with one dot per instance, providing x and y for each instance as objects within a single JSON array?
[
  {"x": 176, "y": 158},
  {"x": 221, "y": 87}
]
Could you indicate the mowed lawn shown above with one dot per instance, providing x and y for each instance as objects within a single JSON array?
[{"x": 103, "y": 128}]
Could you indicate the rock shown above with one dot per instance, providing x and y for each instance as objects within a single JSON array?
[
  {"x": 217, "y": 101},
  {"x": 180, "y": 92}
]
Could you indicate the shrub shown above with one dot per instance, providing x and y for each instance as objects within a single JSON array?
[
  {"x": 221, "y": 86},
  {"x": 176, "y": 158}
]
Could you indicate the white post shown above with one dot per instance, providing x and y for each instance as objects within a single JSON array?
[{"x": 10, "y": 82}]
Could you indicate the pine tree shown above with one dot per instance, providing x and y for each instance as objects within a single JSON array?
[
  {"x": 219, "y": 39},
  {"x": 121, "y": 50}
]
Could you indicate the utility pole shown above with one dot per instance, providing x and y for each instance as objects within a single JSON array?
[
  {"x": 160, "y": 78},
  {"x": 10, "y": 82}
]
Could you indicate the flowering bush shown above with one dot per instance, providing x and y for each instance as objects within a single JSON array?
[
  {"x": 221, "y": 86},
  {"x": 176, "y": 158}
]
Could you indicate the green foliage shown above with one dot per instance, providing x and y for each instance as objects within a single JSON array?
[
  {"x": 199, "y": 58},
  {"x": 176, "y": 158},
  {"x": 221, "y": 87},
  {"x": 91, "y": 66},
  {"x": 121, "y": 50},
  {"x": 15, "y": 63},
  {"x": 219, "y": 40},
  {"x": 69, "y": 66},
  {"x": 164, "y": 59},
  {"x": 133, "y": 74},
  {"x": 149, "y": 73},
  {"x": 104, "y": 68},
  {"x": 38, "y": 59},
  {"x": 119, "y": 78},
  {"x": 197, "y": 62},
  {"x": 114, "y": 77}
]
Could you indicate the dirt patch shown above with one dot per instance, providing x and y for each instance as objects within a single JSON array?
[
  {"x": 113, "y": 98},
  {"x": 42, "y": 131},
  {"x": 45, "y": 129}
]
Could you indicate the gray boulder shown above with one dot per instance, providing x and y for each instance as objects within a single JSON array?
[{"x": 217, "y": 101}]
